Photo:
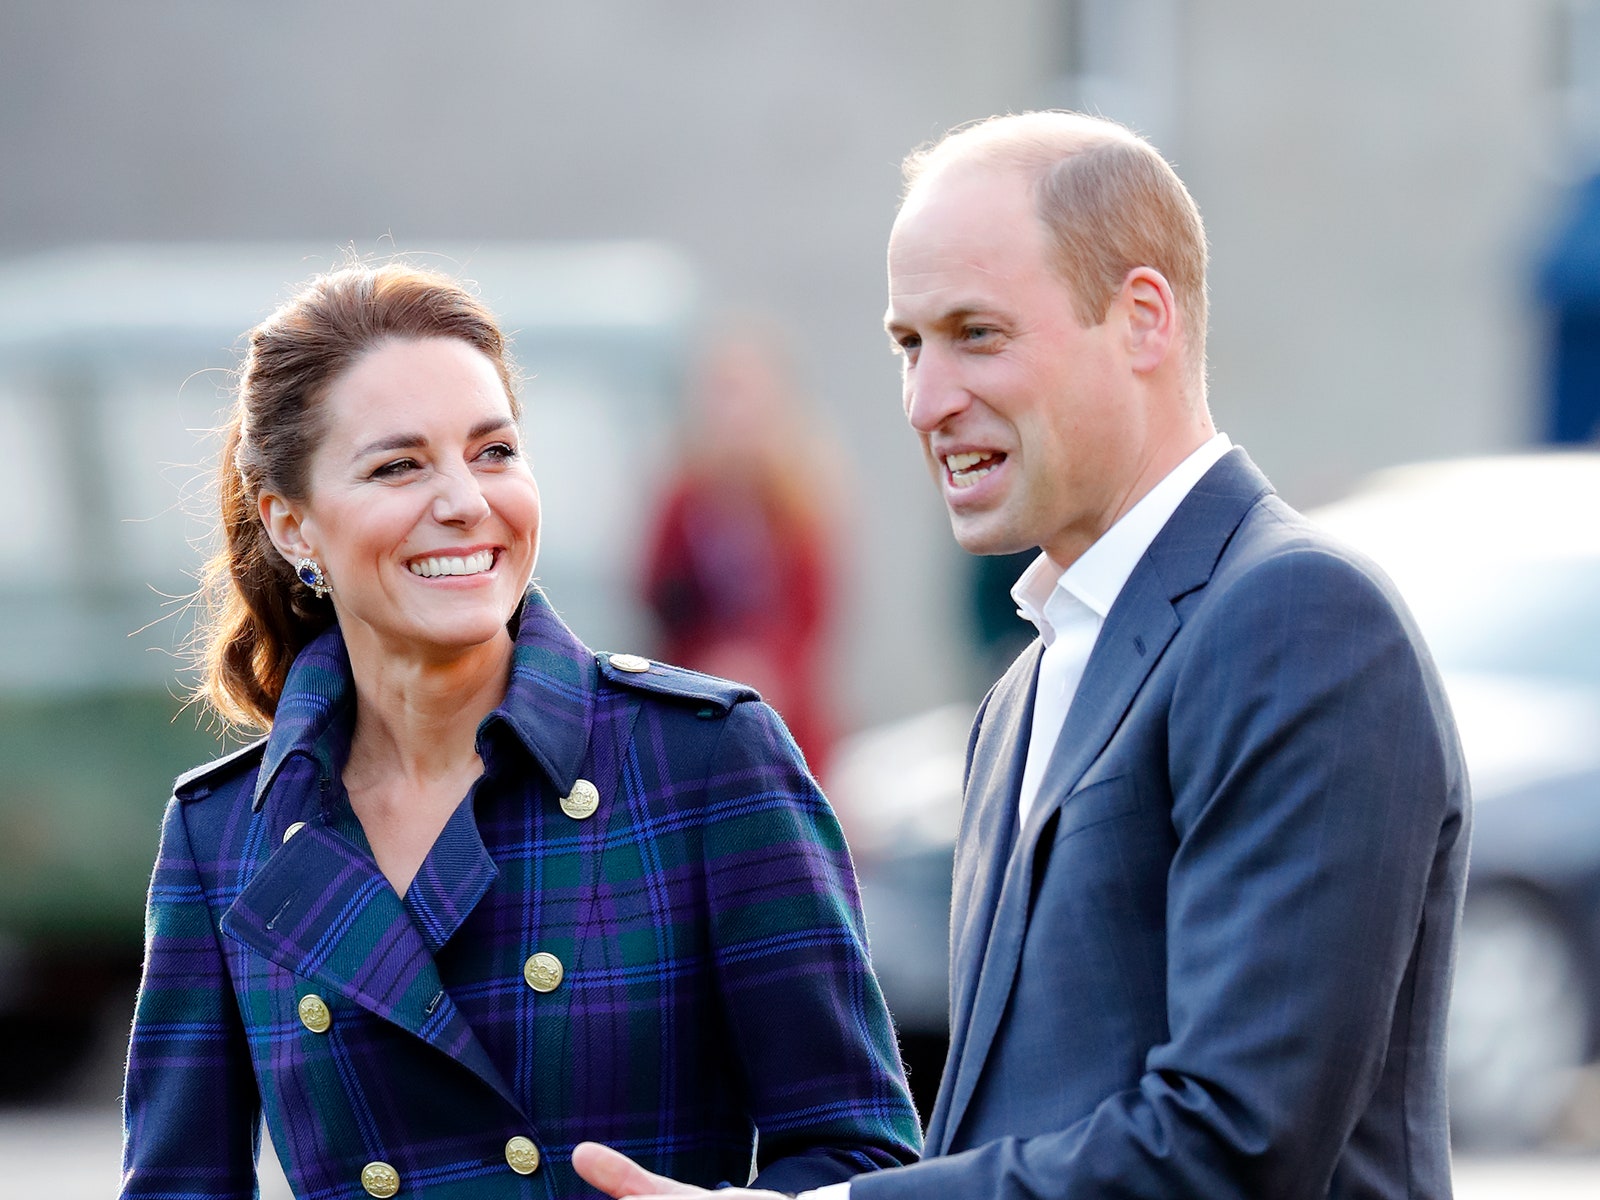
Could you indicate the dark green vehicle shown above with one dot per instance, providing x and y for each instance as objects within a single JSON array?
[{"x": 114, "y": 364}]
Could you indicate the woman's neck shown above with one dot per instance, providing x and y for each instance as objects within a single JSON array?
[{"x": 417, "y": 719}]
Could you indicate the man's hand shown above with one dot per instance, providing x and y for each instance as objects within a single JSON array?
[{"x": 620, "y": 1177}]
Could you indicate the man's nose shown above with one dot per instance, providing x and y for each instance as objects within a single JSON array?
[
  {"x": 933, "y": 393},
  {"x": 460, "y": 499}
]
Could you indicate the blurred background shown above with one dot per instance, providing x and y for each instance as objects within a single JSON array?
[{"x": 680, "y": 210}]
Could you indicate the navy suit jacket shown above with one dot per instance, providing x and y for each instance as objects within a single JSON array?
[{"x": 1216, "y": 960}]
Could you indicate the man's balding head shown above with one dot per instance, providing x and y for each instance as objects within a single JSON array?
[{"x": 1109, "y": 201}]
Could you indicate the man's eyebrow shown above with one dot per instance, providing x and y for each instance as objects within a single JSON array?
[
  {"x": 950, "y": 316},
  {"x": 408, "y": 441}
]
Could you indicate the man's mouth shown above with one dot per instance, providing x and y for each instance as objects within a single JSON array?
[
  {"x": 966, "y": 468},
  {"x": 443, "y": 564}
]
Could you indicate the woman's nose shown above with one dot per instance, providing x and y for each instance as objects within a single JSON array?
[{"x": 460, "y": 500}]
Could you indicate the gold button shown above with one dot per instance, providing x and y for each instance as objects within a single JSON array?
[
  {"x": 543, "y": 972},
  {"x": 314, "y": 1014},
  {"x": 584, "y": 800},
  {"x": 522, "y": 1155},
  {"x": 380, "y": 1180},
  {"x": 631, "y": 663},
  {"x": 293, "y": 829}
]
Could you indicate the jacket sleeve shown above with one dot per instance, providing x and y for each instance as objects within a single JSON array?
[
  {"x": 1316, "y": 798},
  {"x": 823, "y": 1077},
  {"x": 190, "y": 1106}
]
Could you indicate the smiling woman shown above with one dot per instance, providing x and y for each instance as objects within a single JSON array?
[{"x": 480, "y": 893}]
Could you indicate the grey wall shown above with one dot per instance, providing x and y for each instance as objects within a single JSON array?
[{"x": 1370, "y": 173}]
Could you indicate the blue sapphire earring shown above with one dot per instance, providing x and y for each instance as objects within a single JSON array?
[{"x": 310, "y": 572}]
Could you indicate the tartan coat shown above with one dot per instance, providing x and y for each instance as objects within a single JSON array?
[{"x": 683, "y": 974}]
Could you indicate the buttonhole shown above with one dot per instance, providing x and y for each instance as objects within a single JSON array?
[
  {"x": 434, "y": 1003},
  {"x": 282, "y": 908},
  {"x": 1138, "y": 644}
]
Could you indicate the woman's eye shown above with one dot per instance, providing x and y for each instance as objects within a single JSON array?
[
  {"x": 499, "y": 452},
  {"x": 392, "y": 470}
]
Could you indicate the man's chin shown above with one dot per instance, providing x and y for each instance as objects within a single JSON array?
[{"x": 985, "y": 539}]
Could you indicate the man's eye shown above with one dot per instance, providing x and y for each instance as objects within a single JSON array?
[
  {"x": 976, "y": 333},
  {"x": 907, "y": 344}
]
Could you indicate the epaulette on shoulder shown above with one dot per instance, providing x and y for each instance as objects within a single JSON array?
[
  {"x": 715, "y": 697},
  {"x": 201, "y": 781}
]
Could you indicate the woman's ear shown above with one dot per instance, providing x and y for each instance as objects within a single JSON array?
[
  {"x": 1152, "y": 316},
  {"x": 284, "y": 525}
]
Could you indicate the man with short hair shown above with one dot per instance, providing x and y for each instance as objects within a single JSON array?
[{"x": 1211, "y": 859}]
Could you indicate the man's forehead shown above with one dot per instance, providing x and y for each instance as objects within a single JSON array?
[
  {"x": 967, "y": 183},
  {"x": 971, "y": 233}
]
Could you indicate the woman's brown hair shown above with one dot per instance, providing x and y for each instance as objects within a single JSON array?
[{"x": 256, "y": 614}]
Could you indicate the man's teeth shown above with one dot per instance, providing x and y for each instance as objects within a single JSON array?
[
  {"x": 961, "y": 467},
  {"x": 472, "y": 564}
]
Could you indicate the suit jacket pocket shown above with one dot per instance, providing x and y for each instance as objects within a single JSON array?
[{"x": 1104, "y": 800}]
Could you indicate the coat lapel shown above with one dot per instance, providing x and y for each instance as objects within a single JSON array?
[
  {"x": 1140, "y": 625},
  {"x": 321, "y": 909}
]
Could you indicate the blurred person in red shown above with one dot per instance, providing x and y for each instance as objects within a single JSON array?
[{"x": 739, "y": 571}]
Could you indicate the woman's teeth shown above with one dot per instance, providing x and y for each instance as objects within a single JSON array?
[{"x": 471, "y": 564}]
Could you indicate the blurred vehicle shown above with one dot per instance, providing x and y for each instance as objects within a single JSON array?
[
  {"x": 115, "y": 363},
  {"x": 1499, "y": 558}
]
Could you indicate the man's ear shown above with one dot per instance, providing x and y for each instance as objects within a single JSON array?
[
  {"x": 285, "y": 526},
  {"x": 1152, "y": 317}
]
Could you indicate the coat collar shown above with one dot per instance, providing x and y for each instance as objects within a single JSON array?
[
  {"x": 551, "y": 698},
  {"x": 315, "y": 696},
  {"x": 549, "y": 703}
]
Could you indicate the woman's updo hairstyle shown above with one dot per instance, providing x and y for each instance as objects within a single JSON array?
[{"x": 257, "y": 615}]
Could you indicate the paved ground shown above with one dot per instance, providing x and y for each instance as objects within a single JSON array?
[{"x": 72, "y": 1154}]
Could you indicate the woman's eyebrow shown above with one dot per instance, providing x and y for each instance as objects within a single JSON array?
[{"x": 406, "y": 441}]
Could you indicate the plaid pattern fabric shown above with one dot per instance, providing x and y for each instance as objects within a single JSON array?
[{"x": 716, "y": 1009}]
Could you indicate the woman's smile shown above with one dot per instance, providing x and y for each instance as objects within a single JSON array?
[{"x": 420, "y": 470}]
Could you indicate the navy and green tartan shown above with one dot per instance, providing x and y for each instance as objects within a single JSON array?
[{"x": 717, "y": 1010}]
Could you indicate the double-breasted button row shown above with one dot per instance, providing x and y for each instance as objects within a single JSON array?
[{"x": 380, "y": 1180}]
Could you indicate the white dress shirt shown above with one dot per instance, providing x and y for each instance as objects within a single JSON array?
[{"x": 1068, "y": 608}]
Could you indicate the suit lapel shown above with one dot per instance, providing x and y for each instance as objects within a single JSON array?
[
  {"x": 320, "y": 908},
  {"x": 1138, "y": 629},
  {"x": 983, "y": 843}
]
